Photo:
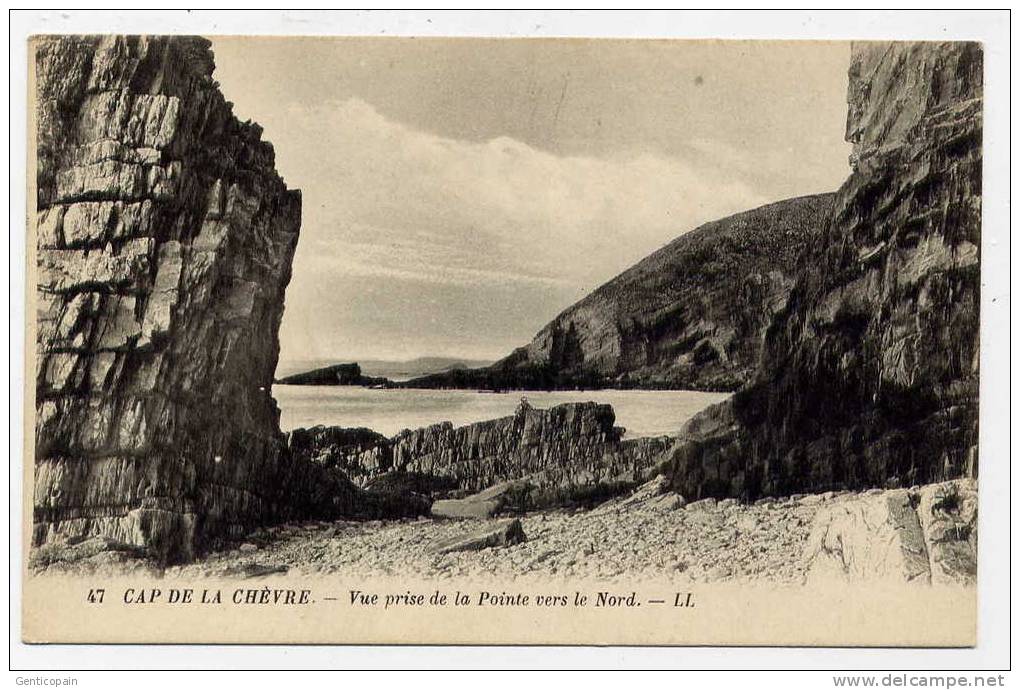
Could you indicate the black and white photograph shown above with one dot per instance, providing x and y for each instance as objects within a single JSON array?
[{"x": 507, "y": 334}]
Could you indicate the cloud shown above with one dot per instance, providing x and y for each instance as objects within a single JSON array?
[{"x": 389, "y": 202}]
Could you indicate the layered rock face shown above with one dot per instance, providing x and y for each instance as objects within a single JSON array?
[
  {"x": 691, "y": 315},
  {"x": 562, "y": 450},
  {"x": 165, "y": 240},
  {"x": 566, "y": 454},
  {"x": 869, "y": 375}
]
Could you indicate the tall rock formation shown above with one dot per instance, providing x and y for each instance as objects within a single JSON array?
[
  {"x": 691, "y": 315},
  {"x": 165, "y": 239},
  {"x": 869, "y": 376}
]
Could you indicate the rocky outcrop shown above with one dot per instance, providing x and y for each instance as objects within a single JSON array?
[
  {"x": 360, "y": 453},
  {"x": 926, "y": 535},
  {"x": 566, "y": 455},
  {"x": 691, "y": 315},
  {"x": 335, "y": 375},
  {"x": 164, "y": 240},
  {"x": 869, "y": 374}
]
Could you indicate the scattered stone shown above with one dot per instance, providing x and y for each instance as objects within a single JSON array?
[
  {"x": 79, "y": 549},
  {"x": 744, "y": 543},
  {"x": 703, "y": 504},
  {"x": 748, "y": 523},
  {"x": 719, "y": 572},
  {"x": 252, "y": 570}
]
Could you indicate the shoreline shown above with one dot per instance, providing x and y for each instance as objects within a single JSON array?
[{"x": 649, "y": 533}]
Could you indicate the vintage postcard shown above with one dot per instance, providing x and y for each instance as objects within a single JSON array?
[{"x": 502, "y": 341}]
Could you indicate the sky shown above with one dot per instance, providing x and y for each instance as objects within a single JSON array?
[{"x": 459, "y": 193}]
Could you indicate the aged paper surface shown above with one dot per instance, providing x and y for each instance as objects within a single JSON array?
[{"x": 748, "y": 416}]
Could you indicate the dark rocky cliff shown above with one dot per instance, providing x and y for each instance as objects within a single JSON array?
[
  {"x": 869, "y": 375},
  {"x": 165, "y": 240},
  {"x": 691, "y": 315}
]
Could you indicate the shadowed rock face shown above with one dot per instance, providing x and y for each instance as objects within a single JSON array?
[
  {"x": 869, "y": 376},
  {"x": 165, "y": 240},
  {"x": 691, "y": 315}
]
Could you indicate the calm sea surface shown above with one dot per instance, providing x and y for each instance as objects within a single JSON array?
[{"x": 642, "y": 413}]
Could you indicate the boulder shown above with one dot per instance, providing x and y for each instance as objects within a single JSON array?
[
  {"x": 948, "y": 516},
  {"x": 570, "y": 455},
  {"x": 73, "y": 550},
  {"x": 484, "y": 504},
  {"x": 868, "y": 538},
  {"x": 926, "y": 535},
  {"x": 488, "y": 535},
  {"x": 654, "y": 496}
]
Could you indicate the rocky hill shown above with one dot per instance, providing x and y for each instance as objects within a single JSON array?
[
  {"x": 869, "y": 375},
  {"x": 691, "y": 315}
]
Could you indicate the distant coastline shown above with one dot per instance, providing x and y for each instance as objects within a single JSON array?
[{"x": 395, "y": 371}]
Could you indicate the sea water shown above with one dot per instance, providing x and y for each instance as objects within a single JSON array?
[{"x": 388, "y": 411}]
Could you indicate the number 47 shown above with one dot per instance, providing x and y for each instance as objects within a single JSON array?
[{"x": 96, "y": 596}]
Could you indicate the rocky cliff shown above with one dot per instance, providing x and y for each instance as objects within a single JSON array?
[
  {"x": 869, "y": 374},
  {"x": 691, "y": 315},
  {"x": 164, "y": 240}
]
